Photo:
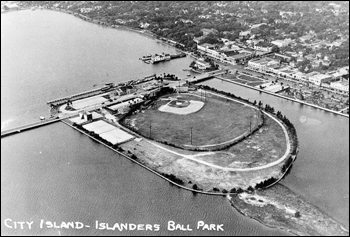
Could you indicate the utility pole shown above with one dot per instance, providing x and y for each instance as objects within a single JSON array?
[
  {"x": 150, "y": 129},
  {"x": 191, "y": 135},
  {"x": 250, "y": 124}
]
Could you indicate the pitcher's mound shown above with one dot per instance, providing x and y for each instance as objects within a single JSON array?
[{"x": 182, "y": 107}]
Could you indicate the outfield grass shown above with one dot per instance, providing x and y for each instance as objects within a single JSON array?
[
  {"x": 261, "y": 148},
  {"x": 219, "y": 121},
  {"x": 265, "y": 146}
]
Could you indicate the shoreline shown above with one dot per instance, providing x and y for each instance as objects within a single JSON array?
[
  {"x": 278, "y": 198},
  {"x": 259, "y": 221},
  {"x": 144, "y": 166},
  {"x": 153, "y": 36},
  {"x": 283, "y": 97}
]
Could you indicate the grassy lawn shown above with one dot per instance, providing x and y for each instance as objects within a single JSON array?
[
  {"x": 229, "y": 76},
  {"x": 248, "y": 78},
  {"x": 218, "y": 121},
  {"x": 255, "y": 83},
  {"x": 240, "y": 81}
]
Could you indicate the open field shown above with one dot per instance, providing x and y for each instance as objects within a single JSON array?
[
  {"x": 249, "y": 78},
  {"x": 218, "y": 121}
]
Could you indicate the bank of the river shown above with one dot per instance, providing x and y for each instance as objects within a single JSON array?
[
  {"x": 284, "y": 97},
  {"x": 279, "y": 207},
  {"x": 154, "y": 36}
]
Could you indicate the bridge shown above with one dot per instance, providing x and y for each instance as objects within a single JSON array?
[
  {"x": 198, "y": 78},
  {"x": 31, "y": 126},
  {"x": 205, "y": 76}
]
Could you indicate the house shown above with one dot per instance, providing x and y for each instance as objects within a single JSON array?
[
  {"x": 281, "y": 43},
  {"x": 144, "y": 25},
  {"x": 257, "y": 25},
  {"x": 120, "y": 21},
  {"x": 306, "y": 37},
  {"x": 208, "y": 31},
  {"x": 263, "y": 46},
  {"x": 244, "y": 33},
  {"x": 186, "y": 21},
  {"x": 206, "y": 46}
]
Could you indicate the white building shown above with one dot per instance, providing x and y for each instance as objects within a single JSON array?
[
  {"x": 212, "y": 53},
  {"x": 319, "y": 78},
  {"x": 281, "y": 43},
  {"x": 340, "y": 86},
  {"x": 202, "y": 65}
]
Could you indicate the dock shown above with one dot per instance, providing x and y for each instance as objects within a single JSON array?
[{"x": 164, "y": 57}]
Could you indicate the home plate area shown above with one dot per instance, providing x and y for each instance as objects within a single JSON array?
[{"x": 180, "y": 106}]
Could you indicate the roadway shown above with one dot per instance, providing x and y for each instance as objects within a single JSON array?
[{"x": 197, "y": 78}]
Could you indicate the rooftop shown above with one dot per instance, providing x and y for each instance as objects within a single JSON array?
[{"x": 265, "y": 61}]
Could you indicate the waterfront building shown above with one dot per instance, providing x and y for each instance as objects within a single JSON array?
[
  {"x": 340, "y": 86},
  {"x": 318, "y": 78},
  {"x": 123, "y": 107},
  {"x": 205, "y": 48},
  {"x": 264, "y": 64},
  {"x": 202, "y": 65}
]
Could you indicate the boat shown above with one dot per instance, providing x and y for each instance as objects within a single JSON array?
[
  {"x": 160, "y": 58},
  {"x": 147, "y": 57}
]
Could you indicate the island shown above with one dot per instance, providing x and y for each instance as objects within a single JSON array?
[{"x": 198, "y": 138}]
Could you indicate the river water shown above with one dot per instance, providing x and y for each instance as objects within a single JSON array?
[{"x": 57, "y": 174}]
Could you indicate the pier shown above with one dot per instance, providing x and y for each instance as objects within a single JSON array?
[{"x": 161, "y": 57}]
